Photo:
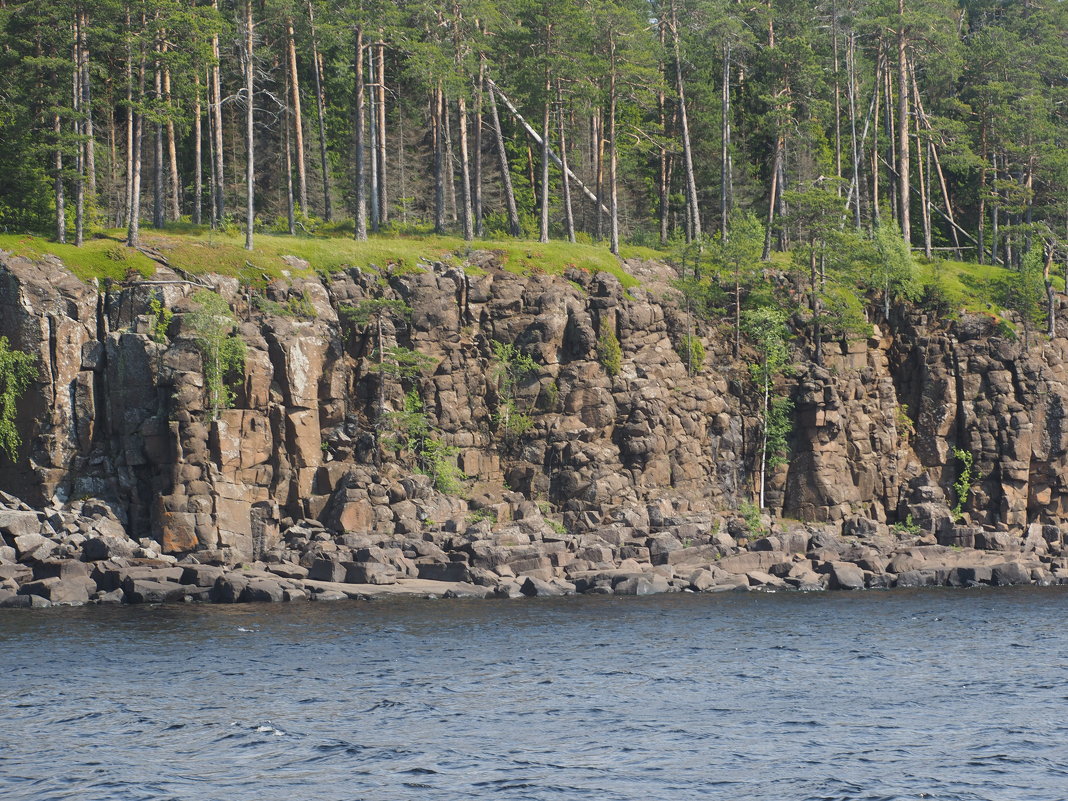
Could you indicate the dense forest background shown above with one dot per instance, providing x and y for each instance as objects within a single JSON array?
[{"x": 646, "y": 121}]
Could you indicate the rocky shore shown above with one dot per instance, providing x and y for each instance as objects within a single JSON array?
[
  {"x": 626, "y": 475},
  {"x": 82, "y": 555}
]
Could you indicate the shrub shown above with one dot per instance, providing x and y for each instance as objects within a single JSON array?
[
  {"x": 17, "y": 370},
  {"x": 692, "y": 352},
  {"x": 609, "y": 352}
]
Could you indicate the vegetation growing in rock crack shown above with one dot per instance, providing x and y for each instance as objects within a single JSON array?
[
  {"x": 692, "y": 352},
  {"x": 409, "y": 430},
  {"x": 222, "y": 352},
  {"x": 17, "y": 371},
  {"x": 966, "y": 478},
  {"x": 510, "y": 368},
  {"x": 766, "y": 328},
  {"x": 159, "y": 320},
  {"x": 609, "y": 351}
]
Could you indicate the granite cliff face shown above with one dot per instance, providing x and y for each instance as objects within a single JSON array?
[{"x": 620, "y": 460}]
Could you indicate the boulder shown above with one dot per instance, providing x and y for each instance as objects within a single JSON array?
[{"x": 370, "y": 573}]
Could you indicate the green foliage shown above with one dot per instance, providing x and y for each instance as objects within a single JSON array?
[
  {"x": 779, "y": 424},
  {"x": 894, "y": 270},
  {"x": 480, "y": 515},
  {"x": 373, "y": 310},
  {"x": 609, "y": 351},
  {"x": 965, "y": 482},
  {"x": 751, "y": 523},
  {"x": 908, "y": 527},
  {"x": 511, "y": 367},
  {"x": 222, "y": 352},
  {"x": 692, "y": 352},
  {"x": 557, "y": 527},
  {"x": 159, "y": 320},
  {"x": 296, "y": 305},
  {"x": 17, "y": 371},
  {"x": 400, "y": 362},
  {"x": 903, "y": 422},
  {"x": 410, "y": 430},
  {"x": 1024, "y": 292}
]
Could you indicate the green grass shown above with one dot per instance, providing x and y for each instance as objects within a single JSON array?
[
  {"x": 198, "y": 250},
  {"x": 965, "y": 285},
  {"x": 96, "y": 259}
]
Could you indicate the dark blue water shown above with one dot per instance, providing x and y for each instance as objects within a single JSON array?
[{"x": 901, "y": 695}]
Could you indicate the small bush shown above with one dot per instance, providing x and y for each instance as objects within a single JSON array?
[
  {"x": 609, "y": 352},
  {"x": 692, "y": 352}
]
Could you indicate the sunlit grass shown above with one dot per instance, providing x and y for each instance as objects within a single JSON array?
[{"x": 198, "y": 250}]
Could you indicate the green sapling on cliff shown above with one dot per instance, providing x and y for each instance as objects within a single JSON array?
[
  {"x": 222, "y": 353},
  {"x": 17, "y": 370}
]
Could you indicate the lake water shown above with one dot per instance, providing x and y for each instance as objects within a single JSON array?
[{"x": 780, "y": 697}]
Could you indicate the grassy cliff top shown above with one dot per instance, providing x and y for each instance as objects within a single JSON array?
[{"x": 198, "y": 250}]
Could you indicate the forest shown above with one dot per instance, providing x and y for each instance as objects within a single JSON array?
[{"x": 820, "y": 129}]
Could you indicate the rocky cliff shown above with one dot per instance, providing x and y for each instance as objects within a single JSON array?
[{"x": 291, "y": 474}]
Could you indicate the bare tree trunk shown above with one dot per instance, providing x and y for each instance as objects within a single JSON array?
[
  {"x": 287, "y": 160},
  {"x": 725, "y": 143},
  {"x": 298, "y": 117},
  {"x": 158, "y": 218},
  {"x": 380, "y": 91},
  {"x": 613, "y": 186},
  {"x": 903, "y": 128},
  {"x": 439, "y": 160},
  {"x": 79, "y": 158},
  {"x": 837, "y": 101},
  {"x": 172, "y": 151},
  {"x": 361, "y": 187},
  {"x": 1051, "y": 300},
  {"x": 982, "y": 189},
  {"x": 662, "y": 154},
  {"x": 599, "y": 172},
  {"x": 372, "y": 145},
  {"x": 198, "y": 166},
  {"x": 320, "y": 103},
  {"x": 854, "y": 150},
  {"x": 450, "y": 157},
  {"x": 133, "y": 225},
  {"x": 543, "y": 228},
  {"x": 684, "y": 126},
  {"x": 465, "y": 170},
  {"x": 61, "y": 209},
  {"x": 250, "y": 144},
  {"x": 569, "y": 217},
  {"x": 87, "y": 108},
  {"x": 128, "y": 197},
  {"x": 776, "y": 191},
  {"x": 217, "y": 124},
  {"x": 476, "y": 176},
  {"x": 506, "y": 174}
]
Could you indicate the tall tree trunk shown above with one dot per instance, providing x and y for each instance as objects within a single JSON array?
[
  {"x": 87, "y": 107},
  {"x": 217, "y": 125},
  {"x": 854, "y": 150},
  {"x": 158, "y": 217},
  {"x": 450, "y": 158},
  {"x": 128, "y": 196},
  {"x": 773, "y": 196},
  {"x": 79, "y": 157},
  {"x": 837, "y": 100},
  {"x": 380, "y": 139},
  {"x": 569, "y": 217},
  {"x": 361, "y": 183},
  {"x": 372, "y": 130},
  {"x": 133, "y": 224},
  {"x": 598, "y": 171},
  {"x": 613, "y": 186},
  {"x": 57, "y": 184},
  {"x": 725, "y": 143},
  {"x": 298, "y": 117},
  {"x": 543, "y": 227},
  {"x": 198, "y": 166},
  {"x": 903, "y": 128},
  {"x": 320, "y": 103},
  {"x": 662, "y": 153},
  {"x": 287, "y": 159},
  {"x": 211, "y": 158},
  {"x": 174, "y": 196},
  {"x": 506, "y": 173},
  {"x": 439, "y": 160},
  {"x": 476, "y": 169},
  {"x": 250, "y": 144},
  {"x": 982, "y": 188},
  {"x": 694, "y": 211},
  {"x": 466, "y": 216}
]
